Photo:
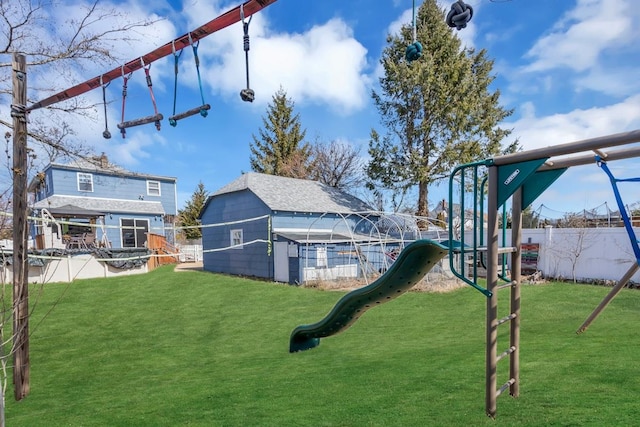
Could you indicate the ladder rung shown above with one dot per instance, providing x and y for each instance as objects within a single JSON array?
[
  {"x": 507, "y": 318},
  {"x": 502, "y": 250},
  {"x": 505, "y": 386},
  {"x": 506, "y": 353},
  {"x": 508, "y": 285}
]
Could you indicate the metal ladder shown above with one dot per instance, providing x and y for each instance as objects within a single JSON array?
[{"x": 479, "y": 173}]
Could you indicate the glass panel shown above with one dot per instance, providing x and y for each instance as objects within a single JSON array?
[{"x": 85, "y": 182}]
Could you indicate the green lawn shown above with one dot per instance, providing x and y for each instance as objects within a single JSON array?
[{"x": 193, "y": 348}]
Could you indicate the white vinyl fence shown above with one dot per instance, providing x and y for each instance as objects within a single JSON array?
[{"x": 583, "y": 254}]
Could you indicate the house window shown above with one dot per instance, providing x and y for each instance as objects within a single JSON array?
[
  {"x": 153, "y": 188},
  {"x": 85, "y": 182},
  {"x": 236, "y": 238},
  {"x": 134, "y": 232}
]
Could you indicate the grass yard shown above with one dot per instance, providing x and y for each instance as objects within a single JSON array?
[{"x": 193, "y": 348}]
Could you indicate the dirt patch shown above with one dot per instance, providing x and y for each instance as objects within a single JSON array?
[
  {"x": 189, "y": 266},
  {"x": 439, "y": 285}
]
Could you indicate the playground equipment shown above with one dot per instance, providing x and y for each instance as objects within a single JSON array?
[
  {"x": 414, "y": 50},
  {"x": 632, "y": 237},
  {"x": 411, "y": 265},
  {"x": 247, "y": 94},
  {"x": 458, "y": 17},
  {"x": 519, "y": 177},
  {"x": 19, "y": 112},
  {"x": 202, "y": 109},
  {"x": 228, "y": 18},
  {"x": 106, "y": 134},
  {"x": 155, "y": 118}
]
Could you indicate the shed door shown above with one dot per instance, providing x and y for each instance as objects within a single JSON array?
[{"x": 280, "y": 262}]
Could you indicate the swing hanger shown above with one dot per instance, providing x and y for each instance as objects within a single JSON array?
[
  {"x": 414, "y": 50},
  {"x": 155, "y": 118},
  {"x": 106, "y": 134},
  {"x": 247, "y": 94},
  {"x": 202, "y": 109}
]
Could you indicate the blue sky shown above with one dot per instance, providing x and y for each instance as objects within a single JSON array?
[{"x": 570, "y": 69}]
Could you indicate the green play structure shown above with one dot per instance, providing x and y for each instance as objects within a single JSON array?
[
  {"x": 485, "y": 188},
  {"x": 408, "y": 269}
]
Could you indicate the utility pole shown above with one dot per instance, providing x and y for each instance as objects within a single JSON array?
[{"x": 20, "y": 262}]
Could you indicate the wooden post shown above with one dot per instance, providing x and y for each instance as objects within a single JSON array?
[{"x": 20, "y": 237}]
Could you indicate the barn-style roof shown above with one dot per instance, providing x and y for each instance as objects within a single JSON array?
[{"x": 294, "y": 195}]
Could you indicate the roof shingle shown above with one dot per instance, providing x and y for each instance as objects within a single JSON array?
[{"x": 295, "y": 195}]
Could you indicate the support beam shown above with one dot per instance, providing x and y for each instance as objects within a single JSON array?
[
  {"x": 20, "y": 239},
  {"x": 621, "y": 154},
  {"x": 610, "y": 296},
  {"x": 570, "y": 148}
]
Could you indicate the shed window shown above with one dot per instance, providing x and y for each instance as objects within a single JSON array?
[
  {"x": 236, "y": 238},
  {"x": 321, "y": 260},
  {"x": 153, "y": 188},
  {"x": 85, "y": 182}
]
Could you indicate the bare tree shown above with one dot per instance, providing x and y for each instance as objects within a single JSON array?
[
  {"x": 338, "y": 164},
  {"x": 52, "y": 48}
]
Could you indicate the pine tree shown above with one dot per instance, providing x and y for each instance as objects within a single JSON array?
[
  {"x": 438, "y": 111},
  {"x": 189, "y": 215},
  {"x": 280, "y": 149}
]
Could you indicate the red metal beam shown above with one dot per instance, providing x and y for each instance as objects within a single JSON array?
[{"x": 226, "y": 19}]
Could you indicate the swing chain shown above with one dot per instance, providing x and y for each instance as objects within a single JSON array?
[
  {"x": 106, "y": 134},
  {"x": 414, "y": 50},
  {"x": 147, "y": 69},
  {"x": 176, "y": 57},
  {"x": 173, "y": 120},
  {"x": 247, "y": 94},
  {"x": 125, "y": 80}
]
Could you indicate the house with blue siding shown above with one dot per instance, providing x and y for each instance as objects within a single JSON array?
[
  {"x": 104, "y": 204},
  {"x": 287, "y": 230}
]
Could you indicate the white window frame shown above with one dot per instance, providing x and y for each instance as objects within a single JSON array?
[
  {"x": 90, "y": 181},
  {"x": 236, "y": 238},
  {"x": 149, "y": 189}
]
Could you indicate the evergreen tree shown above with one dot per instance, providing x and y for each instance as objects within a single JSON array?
[
  {"x": 189, "y": 215},
  {"x": 438, "y": 111},
  {"x": 280, "y": 149}
]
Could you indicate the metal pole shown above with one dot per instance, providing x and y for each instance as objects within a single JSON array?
[
  {"x": 589, "y": 159},
  {"x": 610, "y": 296},
  {"x": 20, "y": 238},
  {"x": 492, "y": 301},
  {"x": 516, "y": 278},
  {"x": 570, "y": 148}
]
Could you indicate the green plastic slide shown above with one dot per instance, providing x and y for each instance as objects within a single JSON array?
[{"x": 413, "y": 263}]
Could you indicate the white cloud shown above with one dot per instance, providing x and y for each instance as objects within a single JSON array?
[
  {"x": 324, "y": 65},
  {"x": 134, "y": 148},
  {"x": 579, "y": 38},
  {"x": 619, "y": 81},
  {"x": 537, "y": 132}
]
